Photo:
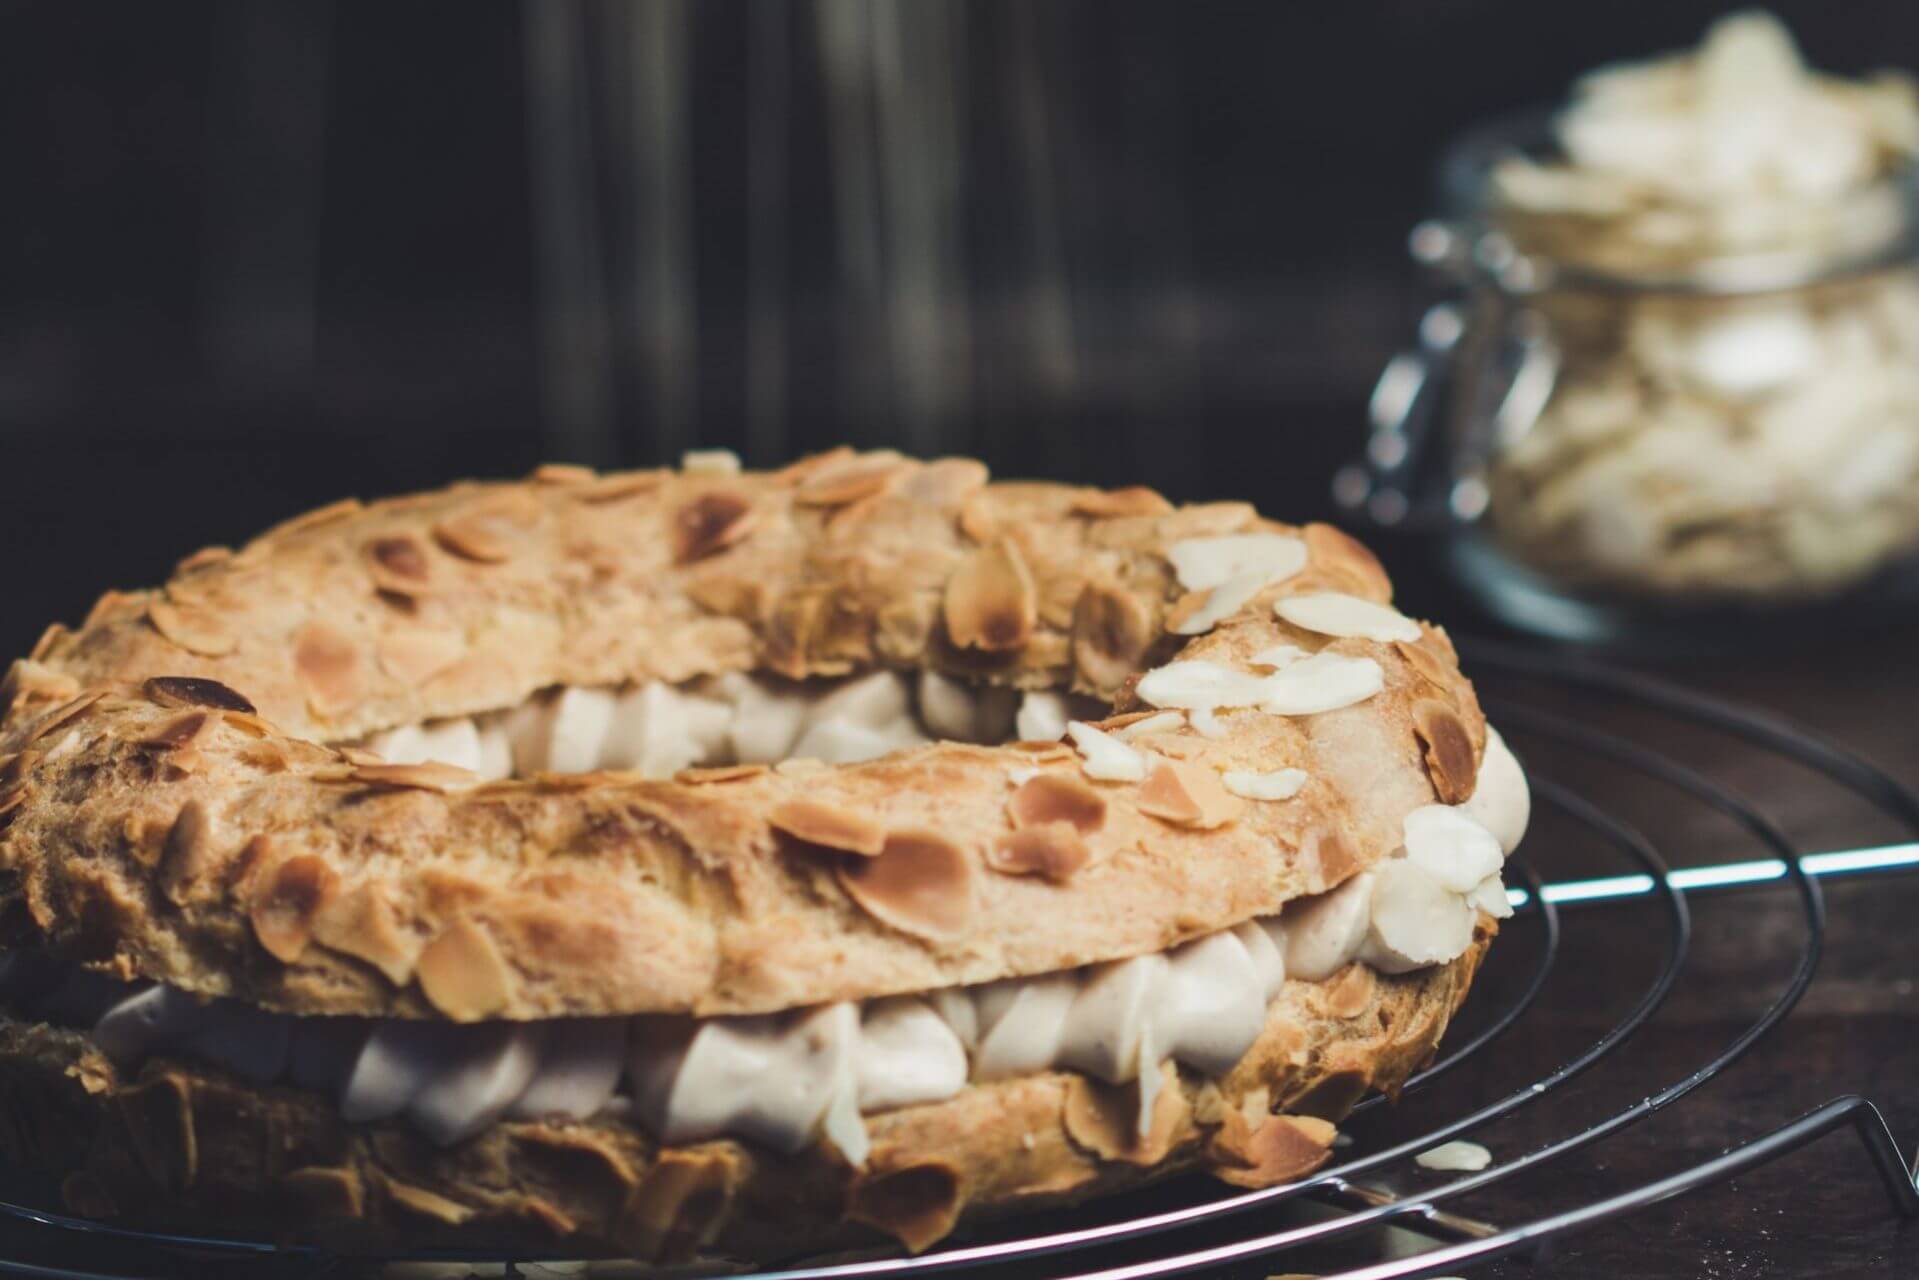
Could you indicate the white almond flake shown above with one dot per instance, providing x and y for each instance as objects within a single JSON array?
[
  {"x": 1021, "y": 776},
  {"x": 1201, "y": 686},
  {"x": 1106, "y": 757},
  {"x": 1490, "y": 896},
  {"x": 1455, "y": 850},
  {"x": 1334, "y": 613},
  {"x": 1280, "y": 784},
  {"x": 1455, "y": 1157},
  {"x": 1164, "y": 722},
  {"x": 1041, "y": 716},
  {"x": 1206, "y": 723},
  {"x": 710, "y": 462},
  {"x": 844, "y": 1126},
  {"x": 1323, "y": 682},
  {"x": 63, "y": 748},
  {"x": 1201, "y": 563},
  {"x": 1227, "y": 599},
  {"x": 1279, "y": 657}
]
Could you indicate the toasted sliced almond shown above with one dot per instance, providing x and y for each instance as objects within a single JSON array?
[
  {"x": 328, "y": 665},
  {"x": 1054, "y": 850},
  {"x": 1281, "y": 1149},
  {"x": 193, "y": 691},
  {"x": 414, "y": 655},
  {"x": 1188, "y": 795},
  {"x": 314, "y": 519},
  {"x": 849, "y": 481},
  {"x": 1350, "y": 993},
  {"x": 179, "y": 733},
  {"x": 618, "y": 488},
  {"x": 463, "y": 973},
  {"x": 204, "y": 558},
  {"x": 990, "y": 602},
  {"x": 399, "y": 563},
  {"x": 1112, "y": 630},
  {"x": 829, "y": 825},
  {"x": 480, "y": 534},
  {"x": 1055, "y": 797},
  {"x": 704, "y": 775},
  {"x": 917, "y": 1204},
  {"x": 1134, "y": 500},
  {"x": 187, "y": 852},
  {"x": 285, "y": 901},
  {"x": 1103, "y": 1118},
  {"x": 563, "y": 473},
  {"x": 1451, "y": 761},
  {"x": 709, "y": 524},
  {"x": 64, "y": 714},
  {"x": 945, "y": 482},
  {"x": 427, "y": 775},
  {"x": 364, "y": 923},
  {"x": 195, "y": 630},
  {"x": 920, "y": 883},
  {"x": 1431, "y": 667}
]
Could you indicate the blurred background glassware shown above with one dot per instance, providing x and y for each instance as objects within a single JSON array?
[{"x": 1673, "y": 398}]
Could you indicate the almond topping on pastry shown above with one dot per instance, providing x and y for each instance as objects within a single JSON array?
[
  {"x": 463, "y": 973},
  {"x": 414, "y": 655},
  {"x": 285, "y": 902},
  {"x": 1054, "y": 850},
  {"x": 1134, "y": 500},
  {"x": 427, "y": 775},
  {"x": 710, "y": 524},
  {"x": 487, "y": 532},
  {"x": 192, "y": 691},
  {"x": 1451, "y": 761},
  {"x": 856, "y": 478},
  {"x": 1188, "y": 795},
  {"x": 328, "y": 665},
  {"x": 195, "y": 630},
  {"x": 1281, "y": 1149},
  {"x": 1112, "y": 630},
  {"x": 1053, "y": 797},
  {"x": 398, "y": 564},
  {"x": 919, "y": 883},
  {"x": 990, "y": 600},
  {"x": 830, "y": 826},
  {"x": 1104, "y": 1118},
  {"x": 917, "y": 1204}
]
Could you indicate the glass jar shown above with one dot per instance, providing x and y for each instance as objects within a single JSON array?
[{"x": 1665, "y": 427}]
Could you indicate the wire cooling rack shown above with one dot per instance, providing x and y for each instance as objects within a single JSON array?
[{"x": 1188, "y": 1227}]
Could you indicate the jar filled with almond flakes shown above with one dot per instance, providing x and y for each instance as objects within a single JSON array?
[{"x": 1678, "y": 386}]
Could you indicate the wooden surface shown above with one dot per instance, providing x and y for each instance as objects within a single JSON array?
[{"x": 1818, "y": 1212}]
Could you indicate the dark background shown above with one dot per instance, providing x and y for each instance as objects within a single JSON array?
[{"x": 258, "y": 254}]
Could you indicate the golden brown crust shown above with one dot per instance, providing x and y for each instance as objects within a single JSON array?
[
  {"x": 230, "y": 856},
  {"x": 185, "y": 1145}
]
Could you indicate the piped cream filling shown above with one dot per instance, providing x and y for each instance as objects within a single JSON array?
[
  {"x": 786, "y": 1079},
  {"x": 658, "y": 729}
]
